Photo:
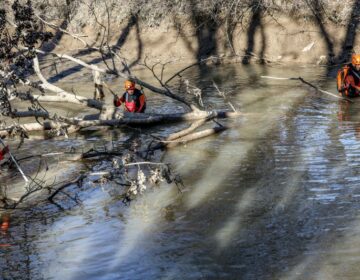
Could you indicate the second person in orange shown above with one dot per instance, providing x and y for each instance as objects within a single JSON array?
[{"x": 348, "y": 78}]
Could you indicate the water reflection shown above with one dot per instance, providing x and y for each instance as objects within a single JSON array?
[{"x": 349, "y": 117}]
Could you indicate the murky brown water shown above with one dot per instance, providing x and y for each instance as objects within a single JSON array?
[{"x": 275, "y": 197}]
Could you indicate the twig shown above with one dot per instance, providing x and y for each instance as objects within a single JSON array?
[
  {"x": 76, "y": 180},
  {"x": 222, "y": 94},
  {"x": 111, "y": 91},
  {"x": 309, "y": 84},
  {"x": 167, "y": 91},
  {"x": 187, "y": 67},
  {"x": 63, "y": 30},
  {"x": 15, "y": 162}
]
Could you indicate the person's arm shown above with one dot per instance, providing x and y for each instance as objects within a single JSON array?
[
  {"x": 118, "y": 101},
  {"x": 142, "y": 100},
  {"x": 349, "y": 81}
]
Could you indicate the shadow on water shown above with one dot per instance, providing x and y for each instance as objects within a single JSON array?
[
  {"x": 269, "y": 199},
  {"x": 272, "y": 221},
  {"x": 266, "y": 224}
]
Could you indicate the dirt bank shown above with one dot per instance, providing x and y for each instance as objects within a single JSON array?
[{"x": 282, "y": 40}]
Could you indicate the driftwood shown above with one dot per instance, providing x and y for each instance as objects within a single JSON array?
[{"x": 193, "y": 136}]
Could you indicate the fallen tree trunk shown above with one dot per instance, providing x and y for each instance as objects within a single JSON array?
[
  {"x": 72, "y": 124},
  {"x": 62, "y": 95},
  {"x": 26, "y": 114},
  {"x": 148, "y": 118}
]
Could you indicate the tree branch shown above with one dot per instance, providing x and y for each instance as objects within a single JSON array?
[{"x": 62, "y": 95}]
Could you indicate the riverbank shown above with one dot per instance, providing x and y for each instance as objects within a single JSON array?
[{"x": 262, "y": 39}]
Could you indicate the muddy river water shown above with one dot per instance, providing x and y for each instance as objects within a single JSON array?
[{"x": 277, "y": 196}]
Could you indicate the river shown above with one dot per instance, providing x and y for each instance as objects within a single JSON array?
[{"x": 276, "y": 196}]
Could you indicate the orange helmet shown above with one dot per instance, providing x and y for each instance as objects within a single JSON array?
[
  {"x": 129, "y": 85},
  {"x": 355, "y": 59}
]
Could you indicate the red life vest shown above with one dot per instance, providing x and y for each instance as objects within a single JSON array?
[
  {"x": 131, "y": 103},
  {"x": 135, "y": 102}
]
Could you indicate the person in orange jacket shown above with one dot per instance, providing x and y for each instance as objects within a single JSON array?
[
  {"x": 133, "y": 99},
  {"x": 349, "y": 81}
]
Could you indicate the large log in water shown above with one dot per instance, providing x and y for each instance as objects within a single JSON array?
[{"x": 120, "y": 118}]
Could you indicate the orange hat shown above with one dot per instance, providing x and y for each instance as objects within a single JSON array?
[
  {"x": 129, "y": 85},
  {"x": 355, "y": 59}
]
